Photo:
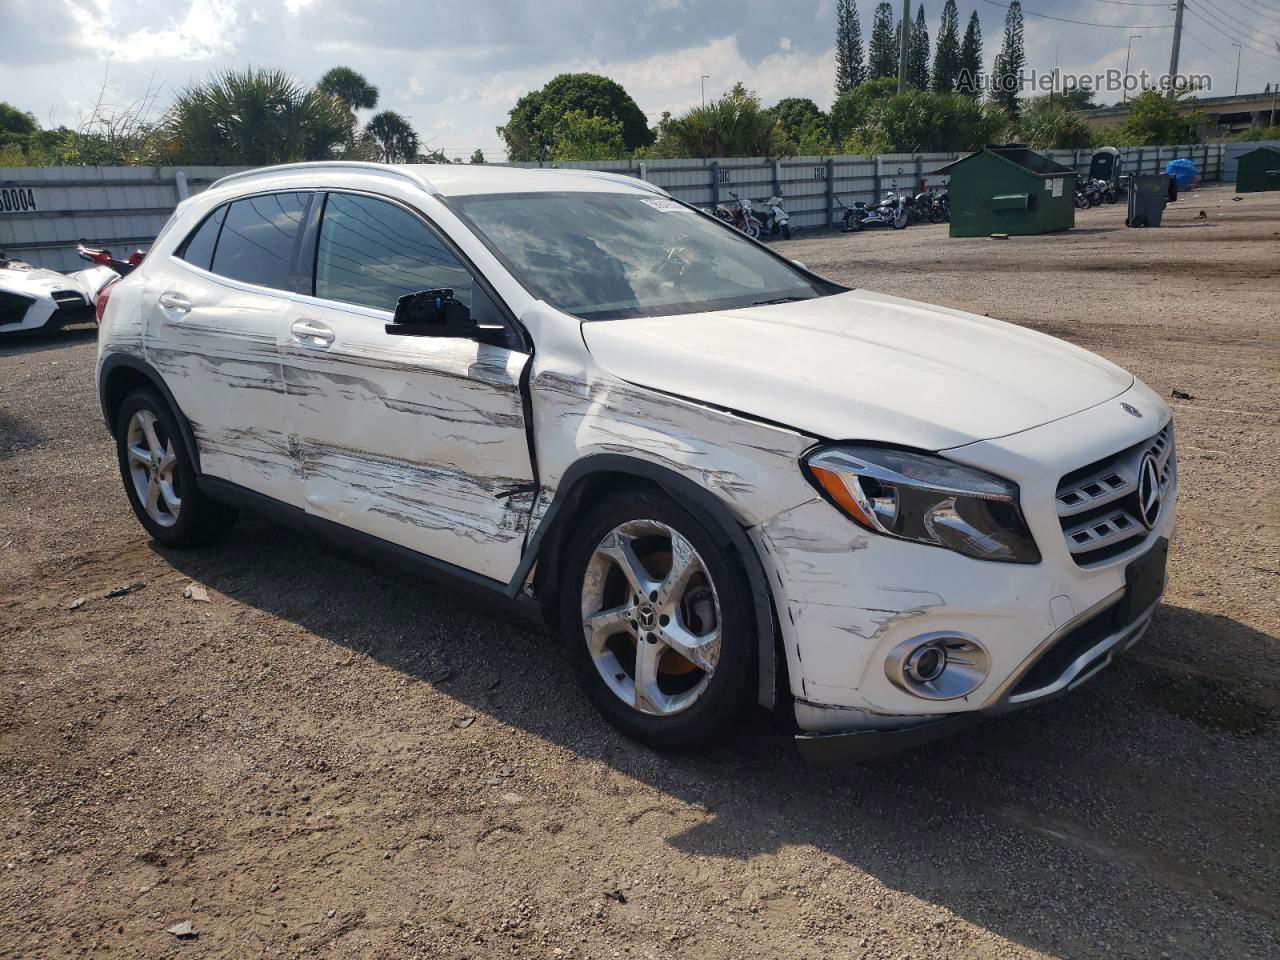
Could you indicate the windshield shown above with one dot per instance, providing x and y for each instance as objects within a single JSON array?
[{"x": 603, "y": 256}]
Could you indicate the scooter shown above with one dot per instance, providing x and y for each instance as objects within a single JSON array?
[{"x": 776, "y": 220}]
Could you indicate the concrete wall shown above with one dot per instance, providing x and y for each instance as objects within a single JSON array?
[{"x": 46, "y": 211}]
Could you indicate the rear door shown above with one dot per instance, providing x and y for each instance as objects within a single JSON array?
[
  {"x": 416, "y": 440},
  {"x": 220, "y": 310}
]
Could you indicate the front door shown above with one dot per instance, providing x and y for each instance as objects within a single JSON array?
[{"x": 419, "y": 441}]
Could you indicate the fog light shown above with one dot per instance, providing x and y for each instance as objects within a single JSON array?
[{"x": 938, "y": 666}]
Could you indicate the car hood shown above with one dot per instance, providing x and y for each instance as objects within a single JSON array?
[
  {"x": 862, "y": 366},
  {"x": 36, "y": 282}
]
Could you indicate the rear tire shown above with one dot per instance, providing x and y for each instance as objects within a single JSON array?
[
  {"x": 629, "y": 615},
  {"x": 159, "y": 476}
]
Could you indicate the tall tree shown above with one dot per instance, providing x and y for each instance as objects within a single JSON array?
[
  {"x": 918, "y": 53},
  {"x": 946, "y": 58},
  {"x": 1006, "y": 72},
  {"x": 882, "y": 51},
  {"x": 970, "y": 59},
  {"x": 850, "y": 69},
  {"x": 396, "y": 140},
  {"x": 350, "y": 87},
  {"x": 530, "y": 131}
]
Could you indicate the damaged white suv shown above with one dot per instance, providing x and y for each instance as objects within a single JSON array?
[{"x": 726, "y": 479}]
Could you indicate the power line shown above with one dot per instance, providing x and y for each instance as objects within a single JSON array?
[
  {"x": 1233, "y": 39},
  {"x": 1221, "y": 56},
  {"x": 1258, "y": 9},
  {"x": 1087, "y": 23},
  {"x": 1135, "y": 3},
  {"x": 1249, "y": 30}
]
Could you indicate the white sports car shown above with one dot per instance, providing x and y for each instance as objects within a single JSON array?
[{"x": 33, "y": 298}]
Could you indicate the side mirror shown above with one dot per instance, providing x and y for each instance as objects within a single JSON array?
[{"x": 431, "y": 313}]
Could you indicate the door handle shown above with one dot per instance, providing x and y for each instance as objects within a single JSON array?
[
  {"x": 312, "y": 333},
  {"x": 175, "y": 301}
]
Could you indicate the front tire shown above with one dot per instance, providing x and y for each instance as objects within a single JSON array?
[
  {"x": 659, "y": 621},
  {"x": 159, "y": 476}
]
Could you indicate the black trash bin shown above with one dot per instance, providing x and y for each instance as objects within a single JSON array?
[{"x": 1148, "y": 193}]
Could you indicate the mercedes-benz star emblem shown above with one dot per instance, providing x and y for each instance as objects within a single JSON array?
[
  {"x": 647, "y": 617},
  {"x": 1149, "y": 491},
  {"x": 1131, "y": 410}
]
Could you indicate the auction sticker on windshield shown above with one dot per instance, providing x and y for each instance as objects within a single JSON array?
[{"x": 663, "y": 204}]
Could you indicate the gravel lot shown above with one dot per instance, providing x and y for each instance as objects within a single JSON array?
[{"x": 321, "y": 761}]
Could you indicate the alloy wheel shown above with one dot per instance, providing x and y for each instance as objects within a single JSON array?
[
  {"x": 651, "y": 617},
  {"x": 153, "y": 468}
]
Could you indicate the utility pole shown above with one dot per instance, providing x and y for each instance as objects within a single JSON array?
[
  {"x": 1177, "y": 45},
  {"x": 705, "y": 78},
  {"x": 904, "y": 48},
  {"x": 1239, "y": 54}
]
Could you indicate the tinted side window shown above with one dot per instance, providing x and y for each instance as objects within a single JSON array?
[
  {"x": 198, "y": 250},
  {"x": 371, "y": 253},
  {"x": 258, "y": 237}
]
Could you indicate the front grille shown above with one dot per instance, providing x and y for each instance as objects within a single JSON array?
[{"x": 1098, "y": 504}]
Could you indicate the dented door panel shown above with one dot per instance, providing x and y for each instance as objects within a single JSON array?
[
  {"x": 416, "y": 440},
  {"x": 221, "y": 360}
]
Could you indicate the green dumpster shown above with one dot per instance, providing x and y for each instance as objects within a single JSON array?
[
  {"x": 1010, "y": 189},
  {"x": 1258, "y": 170}
]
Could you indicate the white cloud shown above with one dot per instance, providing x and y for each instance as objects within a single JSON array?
[{"x": 210, "y": 28}]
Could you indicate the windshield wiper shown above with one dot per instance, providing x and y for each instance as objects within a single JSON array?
[{"x": 762, "y": 303}]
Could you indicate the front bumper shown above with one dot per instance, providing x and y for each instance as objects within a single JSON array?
[{"x": 1065, "y": 660}]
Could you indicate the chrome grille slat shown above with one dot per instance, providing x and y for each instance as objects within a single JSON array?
[{"x": 1097, "y": 506}]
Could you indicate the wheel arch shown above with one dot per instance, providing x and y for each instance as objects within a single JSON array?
[
  {"x": 600, "y": 474},
  {"x": 119, "y": 376}
]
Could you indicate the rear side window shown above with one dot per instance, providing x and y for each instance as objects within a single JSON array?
[
  {"x": 198, "y": 250},
  {"x": 258, "y": 238},
  {"x": 371, "y": 253}
]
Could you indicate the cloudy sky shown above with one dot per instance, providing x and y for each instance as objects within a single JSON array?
[{"x": 455, "y": 67}]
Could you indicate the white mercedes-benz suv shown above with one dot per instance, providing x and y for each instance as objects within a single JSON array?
[{"x": 724, "y": 479}]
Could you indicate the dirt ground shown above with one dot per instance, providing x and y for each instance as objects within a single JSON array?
[{"x": 320, "y": 761}]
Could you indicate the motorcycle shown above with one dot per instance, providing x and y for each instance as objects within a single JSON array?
[
  {"x": 889, "y": 212},
  {"x": 933, "y": 205},
  {"x": 740, "y": 215},
  {"x": 33, "y": 298},
  {"x": 776, "y": 220}
]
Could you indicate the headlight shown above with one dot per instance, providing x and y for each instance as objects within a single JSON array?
[{"x": 919, "y": 497}]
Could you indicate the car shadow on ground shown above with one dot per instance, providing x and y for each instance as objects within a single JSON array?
[
  {"x": 37, "y": 341},
  {"x": 1052, "y": 827}
]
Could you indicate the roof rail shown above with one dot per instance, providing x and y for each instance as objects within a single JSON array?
[
  {"x": 622, "y": 178},
  {"x": 356, "y": 165}
]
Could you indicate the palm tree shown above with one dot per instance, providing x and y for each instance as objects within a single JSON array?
[
  {"x": 396, "y": 140},
  {"x": 254, "y": 117},
  {"x": 350, "y": 87}
]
